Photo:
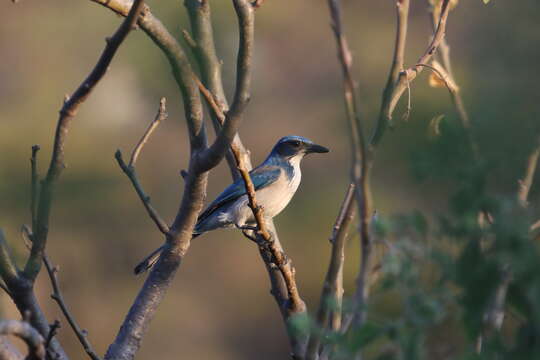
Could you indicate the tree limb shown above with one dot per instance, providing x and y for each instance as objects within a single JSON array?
[
  {"x": 246, "y": 25},
  {"x": 202, "y": 45}
]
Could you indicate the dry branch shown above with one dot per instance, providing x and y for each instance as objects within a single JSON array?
[
  {"x": 129, "y": 169},
  {"x": 57, "y": 296}
]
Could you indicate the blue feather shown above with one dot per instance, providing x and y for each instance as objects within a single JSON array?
[{"x": 261, "y": 177}]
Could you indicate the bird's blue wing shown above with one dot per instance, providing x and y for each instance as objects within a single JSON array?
[{"x": 261, "y": 176}]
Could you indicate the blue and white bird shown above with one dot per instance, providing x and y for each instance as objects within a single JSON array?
[{"x": 275, "y": 180}]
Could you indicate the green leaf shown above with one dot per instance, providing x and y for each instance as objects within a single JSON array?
[{"x": 486, "y": 1}]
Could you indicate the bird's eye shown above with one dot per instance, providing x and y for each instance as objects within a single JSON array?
[{"x": 295, "y": 143}]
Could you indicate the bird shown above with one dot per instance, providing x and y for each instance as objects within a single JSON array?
[{"x": 275, "y": 180}]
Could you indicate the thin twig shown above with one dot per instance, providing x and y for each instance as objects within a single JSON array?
[
  {"x": 67, "y": 113},
  {"x": 23, "y": 330},
  {"x": 160, "y": 116},
  {"x": 129, "y": 169},
  {"x": 57, "y": 296},
  {"x": 330, "y": 312}
]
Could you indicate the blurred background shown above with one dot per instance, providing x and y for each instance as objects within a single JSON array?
[{"x": 219, "y": 306}]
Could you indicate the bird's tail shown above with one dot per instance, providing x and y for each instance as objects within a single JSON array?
[{"x": 151, "y": 259}]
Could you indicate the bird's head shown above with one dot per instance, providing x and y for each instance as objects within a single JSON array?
[{"x": 290, "y": 147}]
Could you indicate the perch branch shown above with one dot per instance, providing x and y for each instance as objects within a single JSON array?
[
  {"x": 284, "y": 288},
  {"x": 329, "y": 313},
  {"x": 67, "y": 113},
  {"x": 57, "y": 296},
  {"x": 24, "y": 331}
]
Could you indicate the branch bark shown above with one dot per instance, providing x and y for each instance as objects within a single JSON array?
[{"x": 32, "y": 338}]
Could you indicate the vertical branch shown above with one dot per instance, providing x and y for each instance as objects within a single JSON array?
[
  {"x": 329, "y": 313},
  {"x": 362, "y": 162},
  {"x": 210, "y": 67}
]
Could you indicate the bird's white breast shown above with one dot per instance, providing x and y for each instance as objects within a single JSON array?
[{"x": 273, "y": 198}]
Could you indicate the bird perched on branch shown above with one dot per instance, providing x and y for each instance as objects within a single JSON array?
[{"x": 275, "y": 181}]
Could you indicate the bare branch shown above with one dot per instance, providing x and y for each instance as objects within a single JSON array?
[
  {"x": 329, "y": 313},
  {"x": 129, "y": 169},
  {"x": 395, "y": 90},
  {"x": 57, "y": 296},
  {"x": 527, "y": 181},
  {"x": 160, "y": 116},
  {"x": 28, "y": 334},
  {"x": 67, "y": 113}
]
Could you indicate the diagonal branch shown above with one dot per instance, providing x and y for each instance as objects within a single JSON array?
[
  {"x": 67, "y": 113},
  {"x": 329, "y": 313},
  {"x": 57, "y": 296},
  {"x": 129, "y": 169}
]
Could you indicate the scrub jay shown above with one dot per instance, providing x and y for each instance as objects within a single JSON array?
[{"x": 275, "y": 181}]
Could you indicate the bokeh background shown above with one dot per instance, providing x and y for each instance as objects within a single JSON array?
[{"x": 219, "y": 306}]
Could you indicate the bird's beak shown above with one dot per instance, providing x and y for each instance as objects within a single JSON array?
[{"x": 314, "y": 148}]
